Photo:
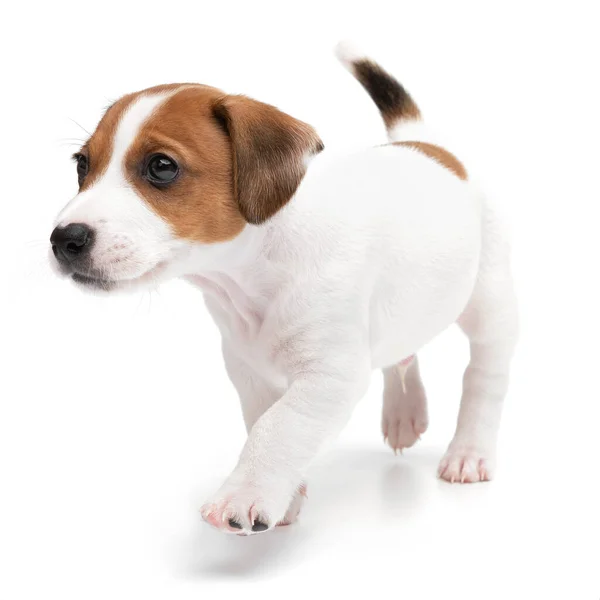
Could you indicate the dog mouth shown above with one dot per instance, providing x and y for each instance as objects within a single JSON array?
[{"x": 95, "y": 281}]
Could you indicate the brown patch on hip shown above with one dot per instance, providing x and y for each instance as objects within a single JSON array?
[{"x": 439, "y": 154}]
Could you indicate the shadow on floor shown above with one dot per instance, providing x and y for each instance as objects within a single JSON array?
[{"x": 347, "y": 485}]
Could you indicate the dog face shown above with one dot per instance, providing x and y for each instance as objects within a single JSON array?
[{"x": 173, "y": 170}]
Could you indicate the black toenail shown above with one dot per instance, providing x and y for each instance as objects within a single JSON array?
[
  {"x": 259, "y": 526},
  {"x": 233, "y": 523}
]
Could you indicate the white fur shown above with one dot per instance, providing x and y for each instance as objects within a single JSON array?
[
  {"x": 348, "y": 52},
  {"x": 411, "y": 131},
  {"x": 377, "y": 253}
]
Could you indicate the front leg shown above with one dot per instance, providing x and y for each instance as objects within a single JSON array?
[
  {"x": 285, "y": 439},
  {"x": 256, "y": 395}
]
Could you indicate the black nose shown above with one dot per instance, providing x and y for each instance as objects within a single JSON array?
[{"x": 71, "y": 242}]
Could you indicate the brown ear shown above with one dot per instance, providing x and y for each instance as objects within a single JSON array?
[{"x": 269, "y": 151}]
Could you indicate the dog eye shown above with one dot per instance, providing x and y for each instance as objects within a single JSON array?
[
  {"x": 82, "y": 167},
  {"x": 161, "y": 169}
]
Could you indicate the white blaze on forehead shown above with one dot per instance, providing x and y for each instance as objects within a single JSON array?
[
  {"x": 131, "y": 122},
  {"x": 80, "y": 208}
]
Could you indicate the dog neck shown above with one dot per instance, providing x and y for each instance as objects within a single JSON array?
[{"x": 239, "y": 277}]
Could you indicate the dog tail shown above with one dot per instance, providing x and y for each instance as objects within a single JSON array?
[{"x": 398, "y": 110}]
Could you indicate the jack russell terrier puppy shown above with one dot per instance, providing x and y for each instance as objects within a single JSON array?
[{"x": 317, "y": 269}]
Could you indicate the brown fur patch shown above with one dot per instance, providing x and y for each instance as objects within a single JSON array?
[
  {"x": 269, "y": 151},
  {"x": 199, "y": 205},
  {"x": 239, "y": 161},
  {"x": 439, "y": 154}
]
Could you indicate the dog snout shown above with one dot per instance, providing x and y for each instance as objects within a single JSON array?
[{"x": 71, "y": 242}]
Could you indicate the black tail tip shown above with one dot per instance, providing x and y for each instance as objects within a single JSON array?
[{"x": 393, "y": 101}]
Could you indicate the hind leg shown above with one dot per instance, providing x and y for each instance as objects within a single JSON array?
[
  {"x": 490, "y": 323},
  {"x": 404, "y": 415}
]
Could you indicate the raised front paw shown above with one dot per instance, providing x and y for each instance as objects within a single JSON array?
[
  {"x": 466, "y": 464},
  {"x": 247, "y": 508}
]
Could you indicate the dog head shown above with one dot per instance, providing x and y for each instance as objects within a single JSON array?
[{"x": 171, "y": 170}]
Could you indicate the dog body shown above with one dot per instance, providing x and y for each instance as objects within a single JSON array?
[
  {"x": 387, "y": 261},
  {"x": 334, "y": 266}
]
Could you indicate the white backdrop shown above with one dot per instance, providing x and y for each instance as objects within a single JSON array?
[{"x": 116, "y": 417}]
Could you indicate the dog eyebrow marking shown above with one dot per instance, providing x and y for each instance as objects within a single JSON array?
[{"x": 439, "y": 154}]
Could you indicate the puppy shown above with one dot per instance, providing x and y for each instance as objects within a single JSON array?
[{"x": 317, "y": 269}]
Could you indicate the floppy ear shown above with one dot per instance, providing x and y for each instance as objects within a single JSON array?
[{"x": 269, "y": 152}]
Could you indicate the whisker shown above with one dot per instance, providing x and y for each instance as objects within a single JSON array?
[
  {"x": 79, "y": 125},
  {"x": 73, "y": 144},
  {"x": 139, "y": 304}
]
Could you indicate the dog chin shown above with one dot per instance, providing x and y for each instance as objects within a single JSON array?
[{"x": 93, "y": 284}]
